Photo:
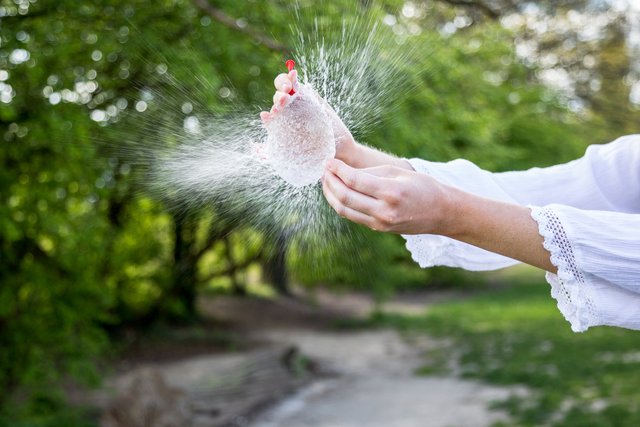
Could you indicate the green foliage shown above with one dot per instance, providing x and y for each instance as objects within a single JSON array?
[
  {"x": 474, "y": 99},
  {"x": 47, "y": 413},
  {"x": 364, "y": 260},
  {"x": 516, "y": 336}
]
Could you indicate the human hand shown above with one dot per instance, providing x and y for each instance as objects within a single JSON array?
[
  {"x": 300, "y": 138},
  {"x": 393, "y": 199},
  {"x": 386, "y": 198},
  {"x": 284, "y": 83}
]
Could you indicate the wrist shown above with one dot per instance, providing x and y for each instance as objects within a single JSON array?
[
  {"x": 349, "y": 151},
  {"x": 453, "y": 213}
]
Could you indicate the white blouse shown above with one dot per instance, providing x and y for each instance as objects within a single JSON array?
[{"x": 588, "y": 212}]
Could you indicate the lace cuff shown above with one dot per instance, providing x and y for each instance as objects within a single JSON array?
[
  {"x": 428, "y": 250},
  {"x": 569, "y": 287}
]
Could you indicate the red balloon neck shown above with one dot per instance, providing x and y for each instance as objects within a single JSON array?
[{"x": 290, "y": 64}]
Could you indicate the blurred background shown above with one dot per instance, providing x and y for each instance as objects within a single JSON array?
[{"x": 100, "y": 281}]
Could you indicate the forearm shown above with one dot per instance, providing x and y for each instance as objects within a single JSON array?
[
  {"x": 499, "y": 227},
  {"x": 361, "y": 156}
]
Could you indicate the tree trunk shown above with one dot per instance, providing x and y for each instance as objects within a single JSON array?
[
  {"x": 182, "y": 292},
  {"x": 236, "y": 287},
  {"x": 275, "y": 266}
]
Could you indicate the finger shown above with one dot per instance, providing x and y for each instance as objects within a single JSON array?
[
  {"x": 345, "y": 211},
  {"x": 280, "y": 99},
  {"x": 356, "y": 179},
  {"x": 350, "y": 198},
  {"x": 265, "y": 116},
  {"x": 293, "y": 78},
  {"x": 283, "y": 83}
]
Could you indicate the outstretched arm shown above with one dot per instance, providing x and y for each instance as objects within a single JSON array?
[
  {"x": 592, "y": 256},
  {"x": 389, "y": 198}
]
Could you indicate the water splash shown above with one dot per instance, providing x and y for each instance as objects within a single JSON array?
[
  {"x": 268, "y": 177},
  {"x": 359, "y": 74},
  {"x": 300, "y": 139}
]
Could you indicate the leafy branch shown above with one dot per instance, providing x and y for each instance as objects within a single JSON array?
[{"x": 230, "y": 22}]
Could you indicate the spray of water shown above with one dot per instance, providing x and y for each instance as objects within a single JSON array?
[{"x": 267, "y": 176}]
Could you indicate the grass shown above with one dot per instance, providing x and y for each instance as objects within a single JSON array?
[
  {"x": 46, "y": 412},
  {"x": 517, "y": 336}
]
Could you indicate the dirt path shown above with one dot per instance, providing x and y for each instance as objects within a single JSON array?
[
  {"x": 373, "y": 383},
  {"x": 377, "y": 386}
]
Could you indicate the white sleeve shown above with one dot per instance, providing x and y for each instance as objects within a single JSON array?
[
  {"x": 597, "y": 254},
  {"x": 607, "y": 177}
]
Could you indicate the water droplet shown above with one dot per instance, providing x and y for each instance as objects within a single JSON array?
[{"x": 141, "y": 106}]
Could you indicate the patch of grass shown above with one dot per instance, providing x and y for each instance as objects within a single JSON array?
[
  {"x": 45, "y": 412},
  {"x": 438, "y": 359},
  {"x": 518, "y": 336}
]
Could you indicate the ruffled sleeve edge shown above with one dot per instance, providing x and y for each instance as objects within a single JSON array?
[
  {"x": 569, "y": 286},
  {"x": 428, "y": 250}
]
